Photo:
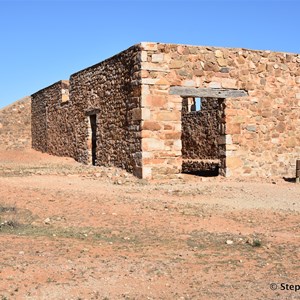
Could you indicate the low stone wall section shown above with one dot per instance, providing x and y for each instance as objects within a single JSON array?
[
  {"x": 15, "y": 125},
  {"x": 52, "y": 121}
]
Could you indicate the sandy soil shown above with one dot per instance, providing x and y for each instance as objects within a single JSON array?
[{"x": 69, "y": 231}]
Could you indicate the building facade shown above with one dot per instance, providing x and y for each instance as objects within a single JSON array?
[{"x": 158, "y": 110}]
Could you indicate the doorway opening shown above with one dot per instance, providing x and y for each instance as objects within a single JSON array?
[
  {"x": 92, "y": 139},
  {"x": 203, "y": 125}
]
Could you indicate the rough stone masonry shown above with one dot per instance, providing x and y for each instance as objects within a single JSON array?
[
  {"x": 15, "y": 125},
  {"x": 159, "y": 109}
]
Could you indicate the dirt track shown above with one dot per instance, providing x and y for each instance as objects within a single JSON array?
[{"x": 74, "y": 232}]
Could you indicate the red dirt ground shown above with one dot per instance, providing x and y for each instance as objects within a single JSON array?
[{"x": 70, "y": 231}]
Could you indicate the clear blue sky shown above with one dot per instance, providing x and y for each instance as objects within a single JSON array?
[{"x": 45, "y": 41}]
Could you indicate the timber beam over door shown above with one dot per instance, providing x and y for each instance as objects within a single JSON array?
[{"x": 207, "y": 92}]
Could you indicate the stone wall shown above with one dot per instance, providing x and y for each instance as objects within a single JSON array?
[
  {"x": 138, "y": 124},
  {"x": 61, "y": 138},
  {"x": 111, "y": 90},
  {"x": 201, "y": 133},
  {"x": 52, "y": 121},
  {"x": 15, "y": 125},
  {"x": 262, "y": 130},
  {"x": 39, "y": 121}
]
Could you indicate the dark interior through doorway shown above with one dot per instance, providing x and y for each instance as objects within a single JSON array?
[{"x": 93, "y": 124}]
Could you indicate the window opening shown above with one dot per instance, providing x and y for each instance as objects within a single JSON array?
[{"x": 197, "y": 104}]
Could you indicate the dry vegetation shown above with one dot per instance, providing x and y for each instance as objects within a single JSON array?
[{"x": 75, "y": 232}]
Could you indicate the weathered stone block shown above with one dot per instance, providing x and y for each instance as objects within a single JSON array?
[
  {"x": 145, "y": 90},
  {"x": 151, "y": 125},
  {"x": 231, "y": 147},
  {"x": 291, "y": 142},
  {"x": 145, "y": 73},
  {"x": 234, "y": 163},
  {"x": 147, "y": 134},
  {"x": 228, "y": 83},
  {"x": 251, "y": 128},
  {"x": 214, "y": 85},
  {"x": 233, "y": 128},
  {"x": 228, "y": 139},
  {"x": 281, "y": 127},
  {"x": 152, "y": 144},
  {"x": 150, "y": 66},
  {"x": 219, "y": 53},
  {"x": 157, "y": 57},
  {"x": 173, "y": 135},
  {"x": 138, "y": 171},
  {"x": 155, "y": 101},
  {"x": 163, "y": 81},
  {"x": 147, "y": 172},
  {"x": 136, "y": 114},
  {"x": 144, "y": 55},
  {"x": 150, "y": 81},
  {"x": 167, "y": 116},
  {"x": 146, "y": 113},
  {"x": 188, "y": 83},
  {"x": 222, "y": 62},
  {"x": 149, "y": 46},
  {"x": 177, "y": 145},
  {"x": 176, "y": 64},
  {"x": 153, "y": 161}
]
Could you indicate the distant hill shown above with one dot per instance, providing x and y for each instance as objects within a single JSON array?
[{"x": 15, "y": 125}]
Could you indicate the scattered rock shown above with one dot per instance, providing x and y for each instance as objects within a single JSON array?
[
  {"x": 47, "y": 221},
  {"x": 229, "y": 242},
  {"x": 249, "y": 241},
  {"x": 254, "y": 242}
]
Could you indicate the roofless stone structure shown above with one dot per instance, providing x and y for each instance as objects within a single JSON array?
[{"x": 157, "y": 110}]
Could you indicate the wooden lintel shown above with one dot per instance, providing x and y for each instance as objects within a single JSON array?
[{"x": 207, "y": 92}]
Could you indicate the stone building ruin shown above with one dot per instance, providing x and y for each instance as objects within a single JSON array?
[{"x": 157, "y": 110}]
